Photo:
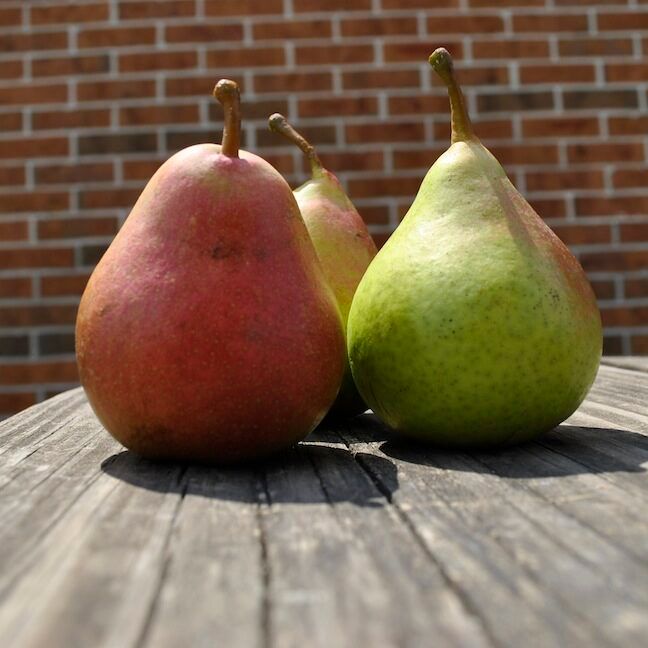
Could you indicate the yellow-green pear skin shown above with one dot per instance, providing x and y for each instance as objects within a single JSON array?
[
  {"x": 343, "y": 244},
  {"x": 474, "y": 325}
]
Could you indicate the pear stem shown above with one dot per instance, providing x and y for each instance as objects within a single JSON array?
[
  {"x": 279, "y": 124},
  {"x": 462, "y": 128},
  {"x": 228, "y": 94}
]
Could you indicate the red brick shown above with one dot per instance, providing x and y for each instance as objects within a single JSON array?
[
  {"x": 33, "y": 94},
  {"x": 331, "y": 5},
  {"x": 37, "y": 315},
  {"x": 63, "y": 285},
  {"x": 550, "y": 23},
  {"x": 204, "y": 33},
  {"x": 639, "y": 344},
  {"x": 103, "y": 198},
  {"x": 158, "y": 61},
  {"x": 595, "y": 99},
  {"x": 418, "y": 104},
  {"x": 630, "y": 21},
  {"x": 74, "y": 173},
  {"x": 281, "y": 161},
  {"x": 375, "y": 214},
  {"x": 465, "y": 24},
  {"x": 488, "y": 129},
  {"x": 31, "y": 147},
  {"x": 634, "y": 232},
  {"x": 243, "y": 7},
  {"x": 505, "y": 4},
  {"x": 12, "y": 176},
  {"x": 339, "y": 161},
  {"x": 628, "y": 125},
  {"x": 340, "y": 54},
  {"x": 65, "y": 66},
  {"x": 140, "y": 169},
  {"x": 159, "y": 9},
  {"x": 15, "y": 287},
  {"x": 13, "y": 231},
  {"x": 369, "y": 79},
  {"x": 636, "y": 288},
  {"x": 14, "y": 402},
  {"x": 293, "y": 82},
  {"x": 21, "y": 42},
  {"x": 383, "y": 186},
  {"x": 549, "y": 207},
  {"x": 36, "y": 258},
  {"x": 105, "y": 90},
  {"x": 10, "y": 121},
  {"x": 318, "y": 135},
  {"x": 507, "y": 49},
  {"x": 559, "y": 126},
  {"x": 563, "y": 180},
  {"x": 169, "y": 114},
  {"x": 624, "y": 178},
  {"x": 606, "y": 152},
  {"x": 614, "y": 261},
  {"x": 418, "y": 4},
  {"x": 583, "y": 235},
  {"x": 76, "y": 118},
  {"x": 595, "y": 46},
  {"x": 11, "y": 69},
  {"x": 69, "y": 13},
  {"x": 338, "y": 106},
  {"x": 10, "y": 16},
  {"x": 472, "y": 75},
  {"x": 119, "y": 143},
  {"x": 625, "y": 316},
  {"x": 618, "y": 206},
  {"x": 391, "y": 26},
  {"x": 201, "y": 86},
  {"x": 557, "y": 74},
  {"x": 538, "y": 154},
  {"x": 244, "y": 58},
  {"x": 40, "y": 372},
  {"x": 515, "y": 101},
  {"x": 116, "y": 36},
  {"x": 627, "y": 72},
  {"x": 293, "y": 30},
  {"x": 418, "y": 52},
  {"x": 385, "y": 132},
  {"x": 62, "y": 228},
  {"x": 416, "y": 159},
  {"x": 603, "y": 289}
]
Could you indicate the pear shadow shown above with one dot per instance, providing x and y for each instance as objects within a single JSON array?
[
  {"x": 567, "y": 450},
  {"x": 309, "y": 473}
]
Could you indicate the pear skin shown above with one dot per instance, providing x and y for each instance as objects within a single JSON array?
[
  {"x": 207, "y": 332},
  {"x": 342, "y": 242},
  {"x": 474, "y": 325}
]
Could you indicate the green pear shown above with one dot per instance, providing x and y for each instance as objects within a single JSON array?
[
  {"x": 474, "y": 325},
  {"x": 341, "y": 240}
]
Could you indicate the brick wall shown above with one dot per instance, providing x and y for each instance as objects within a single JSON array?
[{"x": 95, "y": 94}]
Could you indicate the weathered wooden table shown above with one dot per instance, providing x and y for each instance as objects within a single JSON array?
[{"x": 351, "y": 539}]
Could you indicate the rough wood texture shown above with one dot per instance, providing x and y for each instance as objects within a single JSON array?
[{"x": 353, "y": 538}]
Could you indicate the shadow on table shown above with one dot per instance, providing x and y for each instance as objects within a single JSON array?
[
  {"x": 310, "y": 473},
  {"x": 566, "y": 450}
]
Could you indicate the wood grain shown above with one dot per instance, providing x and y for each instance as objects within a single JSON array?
[{"x": 352, "y": 538}]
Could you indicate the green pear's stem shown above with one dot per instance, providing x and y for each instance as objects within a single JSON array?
[
  {"x": 462, "y": 128},
  {"x": 228, "y": 94},
  {"x": 279, "y": 124}
]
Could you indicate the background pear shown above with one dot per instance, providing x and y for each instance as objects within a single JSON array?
[
  {"x": 342, "y": 242},
  {"x": 207, "y": 332},
  {"x": 474, "y": 325}
]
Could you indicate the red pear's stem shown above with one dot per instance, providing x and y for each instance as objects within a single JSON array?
[
  {"x": 462, "y": 128},
  {"x": 279, "y": 124},
  {"x": 228, "y": 94}
]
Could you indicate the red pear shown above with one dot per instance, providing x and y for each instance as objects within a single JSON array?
[
  {"x": 207, "y": 331},
  {"x": 341, "y": 239}
]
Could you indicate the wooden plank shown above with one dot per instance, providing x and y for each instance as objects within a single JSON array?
[
  {"x": 343, "y": 568},
  {"x": 521, "y": 540},
  {"x": 638, "y": 363}
]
